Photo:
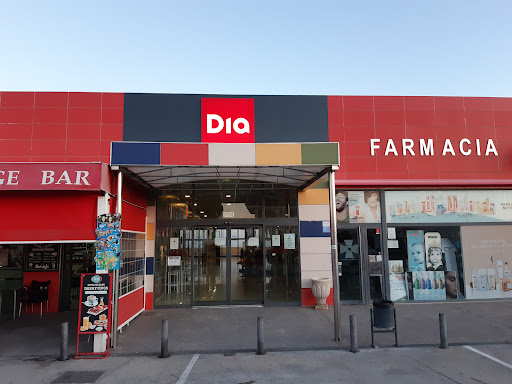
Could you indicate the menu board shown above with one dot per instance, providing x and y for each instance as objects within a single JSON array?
[
  {"x": 42, "y": 257},
  {"x": 95, "y": 294}
]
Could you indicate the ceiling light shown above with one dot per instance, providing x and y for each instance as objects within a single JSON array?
[
  {"x": 195, "y": 204},
  {"x": 228, "y": 196},
  {"x": 205, "y": 215},
  {"x": 228, "y": 204},
  {"x": 187, "y": 196},
  {"x": 201, "y": 211}
]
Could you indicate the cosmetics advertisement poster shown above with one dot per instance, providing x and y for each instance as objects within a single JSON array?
[
  {"x": 363, "y": 206},
  {"x": 487, "y": 254},
  {"x": 448, "y": 206},
  {"x": 415, "y": 250},
  {"x": 429, "y": 285},
  {"x": 397, "y": 286}
]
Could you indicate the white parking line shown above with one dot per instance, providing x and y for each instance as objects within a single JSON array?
[
  {"x": 488, "y": 356},
  {"x": 187, "y": 370}
]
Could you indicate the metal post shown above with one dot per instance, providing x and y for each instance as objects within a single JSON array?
[
  {"x": 260, "y": 334},
  {"x": 164, "y": 347},
  {"x": 443, "y": 331},
  {"x": 334, "y": 257},
  {"x": 64, "y": 327},
  {"x": 353, "y": 334}
]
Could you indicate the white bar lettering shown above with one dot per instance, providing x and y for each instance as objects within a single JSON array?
[
  {"x": 82, "y": 175},
  {"x": 390, "y": 148},
  {"x": 491, "y": 148},
  {"x": 461, "y": 147},
  {"x": 448, "y": 147},
  {"x": 13, "y": 176},
  {"x": 374, "y": 144},
  {"x": 407, "y": 145},
  {"x": 428, "y": 148},
  {"x": 48, "y": 177},
  {"x": 64, "y": 177}
]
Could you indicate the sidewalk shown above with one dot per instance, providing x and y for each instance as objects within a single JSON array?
[{"x": 223, "y": 329}]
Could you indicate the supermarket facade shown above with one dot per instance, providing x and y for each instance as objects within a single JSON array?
[{"x": 227, "y": 199}]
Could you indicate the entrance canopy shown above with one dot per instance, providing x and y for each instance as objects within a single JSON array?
[{"x": 162, "y": 164}]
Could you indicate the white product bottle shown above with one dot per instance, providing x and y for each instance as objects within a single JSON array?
[
  {"x": 474, "y": 279},
  {"x": 499, "y": 263},
  {"x": 482, "y": 280},
  {"x": 506, "y": 272},
  {"x": 491, "y": 277}
]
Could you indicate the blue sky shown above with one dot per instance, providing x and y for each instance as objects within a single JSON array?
[{"x": 446, "y": 48}]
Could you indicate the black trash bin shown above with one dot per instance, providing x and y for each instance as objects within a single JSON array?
[{"x": 383, "y": 314}]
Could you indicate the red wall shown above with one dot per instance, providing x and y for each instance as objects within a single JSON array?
[
  {"x": 48, "y": 216},
  {"x": 53, "y": 290},
  {"x": 129, "y": 305},
  {"x": 59, "y": 126},
  {"x": 354, "y": 120}
]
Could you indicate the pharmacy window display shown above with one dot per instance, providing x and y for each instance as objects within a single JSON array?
[{"x": 425, "y": 263}]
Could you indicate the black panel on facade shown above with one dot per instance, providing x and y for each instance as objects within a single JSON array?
[{"x": 177, "y": 117}]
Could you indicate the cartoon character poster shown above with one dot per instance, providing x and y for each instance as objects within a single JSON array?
[{"x": 416, "y": 250}]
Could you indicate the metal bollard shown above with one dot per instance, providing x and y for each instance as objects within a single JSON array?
[
  {"x": 64, "y": 327},
  {"x": 353, "y": 334},
  {"x": 164, "y": 348},
  {"x": 261, "y": 345},
  {"x": 443, "y": 331}
]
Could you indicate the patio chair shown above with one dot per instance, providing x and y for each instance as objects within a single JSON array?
[{"x": 39, "y": 293}]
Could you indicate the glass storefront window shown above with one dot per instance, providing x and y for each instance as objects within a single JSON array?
[{"x": 357, "y": 207}]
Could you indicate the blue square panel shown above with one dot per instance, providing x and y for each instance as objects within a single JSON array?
[{"x": 135, "y": 153}]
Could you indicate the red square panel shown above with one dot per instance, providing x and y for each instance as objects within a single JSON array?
[
  {"x": 84, "y": 99},
  {"x": 82, "y": 148},
  {"x": 386, "y": 132},
  {"x": 105, "y": 148},
  {"x": 357, "y": 148},
  {"x": 449, "y": 103},
  {"x": 335, "y": 117},
  {"x": 51, "y": 99},
  {"x": 17, "y": 99},
  {"x": 16, "y": 131},
  {"x": 105, "y": 159},
  {"x": 14, "y": 147},
  {"x": 336, "y": 133},
  {"x": 16, "y": 115},
  {"x": 49, "y": 132},
  {"x": 112, "y": 116},
  {"x": 389, "y": 103},
  {"x": 419, "y": 103},
  {"x": 505, "y": 164},
  {"x": 391, "y": 163},
  {"x": 502, "y": 104},
  {"x": 450, "y": 118},
  {"x": 334, "y": 103},
  {"x": 480, "y": 118},
  {"x": 362, "y": 175},
  {"x": 478, "y": 103},
  {"x": 84, "y": 131},
  {"x": 112, "y": 132},
  {"x": 48, "y": 159},
  {"x": 393, "y": 175},
  {"x": 14, "y": 159},
  {"x": 50, "y": 115},
  {"x": 421, "y": 132},
  {"x": 503, "y": 133},
  {"x": 453, "y": 133},
  {"x": 480, "y": 132},
  {"x": 361, "y": 164},
  {"x": 84, "y": 115},
  {"x": 358, "y": 117},
  {"x": 423, "y": 164},
  {"x": 504, "y": 148},
  {"x": 389, "y": 118},
  {"x": 503, "y": 118},
  {"x": 358, "y": 103},
  {"x": 184, "y": 154},
  {"x": 113, "y": 100},
  {"x": 82, "y": 159},
  {"x": 359, "y": 133},
  {"x": 419, "y": 117},
  {"x": 48, "y": 148}
]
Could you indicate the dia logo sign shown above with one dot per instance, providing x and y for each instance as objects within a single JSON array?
[{"x": 227, "y": 120}]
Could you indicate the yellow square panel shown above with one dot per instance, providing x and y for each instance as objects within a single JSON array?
[
  {"x": 314, "y": 196},
  {"x": 150, "y": 231},
  {"x": 278, "y": 154}
]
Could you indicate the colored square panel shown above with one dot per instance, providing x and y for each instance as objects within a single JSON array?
[
  {"x": 357, "y": 148},
  {"x": 135, "y": 153},
  {"x": 48, "y": 148},
  {"x": 358, "y": 103},
  {"x": 50, "y": 115},
  {"x": 105, "y": 159},
  {"x": 393, "y": 175},
  {"x": 83, "y": 131},
  {"x": 420, "y": 132},
  {"x": 419, "y": 103},
  {"x": 504, "y": 148},
  {"x": 49, "y": 132},
  {"x": 15, "y": 147},
  {"x": 51, "y": 99},
  {"x": 232, "y": 154},
  {"x": 320, "y": 153},
  {"x": 358, "y": 118},
  {"x": 16, "y": 115},
  {"x": 105, "y": 148},
  {"x": 388, "y": 103},
  {"x": 480, "y": 118},
  {"x": 361, "y": 164},
  {"x": 503, "y": 118},
  {"x": 391, "y": 164},
  {"x": 334, "y": 103},
  {"x": 83, "y": 148},
  {"x": 450, "y": 164},
  {"x": 452, "y": 133},
  {"x": 423, "y": 164},
  {"x": 48, "y": 159},
  {"x": 503, "y": 133},
  {"x": 313, "y": 229},
  {"x": 112, "y": 100},
  {"x": 82, "y": 159},
  {"x": 502, "y": 104},
  {"x": 424, "y": 176},
  {"x": 443, "y": 103},
  {"x": 505, "y": 164},
  {"x": 278, "y": 154},
  {"x": 84, "y": 115},
  {"x": 336, "y": 133},
  {"x": 184, "y": 154},
  {"x": 449, "y": 118},
  {"x": 386, "y": 132},
  {"x": 84, "y": 100},
  {"x": 112, "y": 116},
  {"x": 481, "y": 132},
  {"x": 389, "y": 117},
  {"x": 362, "y": 175},
  {"x": 112, "y": 132},
  {"x": 335, "y": 117},
  {"x": 359, "y": 133},
  {"x": 17, "y": 99},
  {"x": 16, "y": 131},
  {"x": 14, "y": 159},
  {"x": 478, "y": 103},
  {"x": 314, "y": 196},
  {"x": 419, "y": 117}
]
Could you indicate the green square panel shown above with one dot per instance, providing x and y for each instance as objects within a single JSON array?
[{"x": 320, "y": 153}]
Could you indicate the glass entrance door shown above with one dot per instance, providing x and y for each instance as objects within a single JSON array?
[
  {"x": 228, "y": 265},
  {"x": 349, "y": 265}
]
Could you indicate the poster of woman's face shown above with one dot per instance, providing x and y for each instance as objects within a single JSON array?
[
  {"x": 358, "y": 206},
  {"x": 450, "y": 279},
  {"x": 416, "y": 250}
]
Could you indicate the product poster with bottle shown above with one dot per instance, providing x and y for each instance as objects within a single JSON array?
[
  {"x": 429, "y": 285},
  {"x": 416, "y": 250},
  {"x": 358, "y": 206},
  {"x": 487, "y": 261},
  {"x": 448, "y": 206}
]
